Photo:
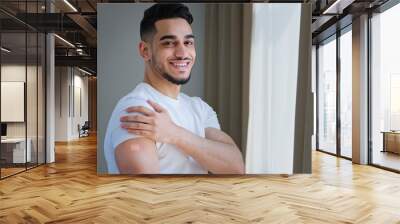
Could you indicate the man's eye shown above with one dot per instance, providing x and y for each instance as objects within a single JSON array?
[
  {"x": 168, "y": 44},
  {"x": 189, "y": 43}
]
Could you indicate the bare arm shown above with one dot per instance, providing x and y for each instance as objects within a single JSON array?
[
  {"x": 217, "y": 152},
  {"x": 137, "y": 156}
]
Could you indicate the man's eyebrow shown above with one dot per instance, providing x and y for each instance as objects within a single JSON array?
[
  {"x": 168, "y": 37},
  {"x": 189, "y": 36}
]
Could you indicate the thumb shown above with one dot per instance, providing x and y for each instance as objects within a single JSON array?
[{"x": 156, "y": 106}]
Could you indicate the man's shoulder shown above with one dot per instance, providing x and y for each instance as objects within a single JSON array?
[
  {"x": 137, "y": 97},
  {"x": 134, "y": 98},
  {"x": 129, "y": 100}
]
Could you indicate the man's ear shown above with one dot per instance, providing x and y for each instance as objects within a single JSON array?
[{"x": 144, "y": 50}]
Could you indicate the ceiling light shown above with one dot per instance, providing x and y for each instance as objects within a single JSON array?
[
  {"x": 338, "y": 6},
  {"x": 65, "y": 41},
  {"x": 79, "y": 51},
  {"x": 5, "y": 50},
  {"x": 328, "y": 10},
  {"x": 86, "y": 72},
  {"x": 71, "y": 6}
]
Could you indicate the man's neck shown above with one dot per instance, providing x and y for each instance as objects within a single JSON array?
[{"x": 162, "y": 85}]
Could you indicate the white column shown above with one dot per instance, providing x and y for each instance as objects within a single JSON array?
[
  {"x": 50, "y": 91},
  {"x": 360, "y": 90}
]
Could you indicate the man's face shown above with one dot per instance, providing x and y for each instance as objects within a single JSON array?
[{"x": 172, "y": 51}]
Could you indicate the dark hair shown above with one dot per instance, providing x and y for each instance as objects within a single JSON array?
[{"x": 161, "y": 11}]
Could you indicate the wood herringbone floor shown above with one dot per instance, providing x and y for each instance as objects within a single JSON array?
[{"x": 69, "y": 191}]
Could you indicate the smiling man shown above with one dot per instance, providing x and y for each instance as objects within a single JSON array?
[{"x": 156, "y": 129}]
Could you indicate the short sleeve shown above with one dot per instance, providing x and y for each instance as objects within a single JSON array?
[
  {"x": 119, "y": 134},
  {"x": 211, "y": 118}
]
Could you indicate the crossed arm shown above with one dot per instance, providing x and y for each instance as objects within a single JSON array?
[{"x": 216, "y": 153}]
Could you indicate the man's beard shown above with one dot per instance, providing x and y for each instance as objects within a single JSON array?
[
  {"x": 169, "y": 77},
  {"x": 175, "y": 81}
]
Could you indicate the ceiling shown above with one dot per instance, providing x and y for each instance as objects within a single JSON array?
[
  {"x": 76, "y": 22},
  {"x": 332, "y": 15}
]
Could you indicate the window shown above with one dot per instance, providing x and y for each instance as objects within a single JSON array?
[
  {"x": 346, "y": 92},
  {"x": 334, "y": 95},
  {"x": 22, "y": 64},
  {"x": 327, "y": 96},
  {"x": 385, "y": 88}
]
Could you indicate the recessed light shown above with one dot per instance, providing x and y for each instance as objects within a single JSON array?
[
  {"x": 86, "y": 72},
  {"x": 70, "y": 5},
  {"x": 5, "y": 50},
  {"x": 64, "y": 40}
]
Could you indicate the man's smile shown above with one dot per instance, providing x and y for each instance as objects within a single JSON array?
[{"x": 180, "y": 65}]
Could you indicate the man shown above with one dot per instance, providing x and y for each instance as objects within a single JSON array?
[{"x": 155, "y": 128}]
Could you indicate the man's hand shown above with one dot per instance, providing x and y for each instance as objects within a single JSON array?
[{"x": 155, "y": 125}]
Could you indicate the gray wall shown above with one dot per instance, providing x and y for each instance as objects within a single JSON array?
[{"x": 120, "y": 67}]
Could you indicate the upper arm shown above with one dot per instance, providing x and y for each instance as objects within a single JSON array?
[
  {"x": 137, "y": 156},
  {"x": 127, "y": 152}
]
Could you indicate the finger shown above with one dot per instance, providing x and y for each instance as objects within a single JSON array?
[
  {"x": 136, "y": 126},
  {"x": 156, "y": 106},
  {"x": 136, "y": 118},
  {"x": 146, "y": 134},
  {"x": 140, "y": 109}
]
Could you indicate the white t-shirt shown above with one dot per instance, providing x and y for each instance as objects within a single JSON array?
[{"x": 191, "y": 113}]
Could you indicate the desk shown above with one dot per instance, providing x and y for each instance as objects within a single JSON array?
[
  {"x": 13, "y": 150},
  {"x": 391, "y": 141}
]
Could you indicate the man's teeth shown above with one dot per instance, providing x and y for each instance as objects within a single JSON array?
[{"x": 180, "y": 64}]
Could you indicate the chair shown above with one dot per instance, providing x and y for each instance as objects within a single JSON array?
[{"x": 84, "y": 130}]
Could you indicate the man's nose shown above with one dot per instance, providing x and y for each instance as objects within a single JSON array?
[{"x": 180, "y": 51}]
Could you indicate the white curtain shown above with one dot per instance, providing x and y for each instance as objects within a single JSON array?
[{"x": 274, "y": 73}]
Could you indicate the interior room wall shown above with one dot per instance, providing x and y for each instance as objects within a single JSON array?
[
  {"x": 79, "y": 117},
  {"x": 62, "y": 80},
  {"x": 120, "y": 68},
  {"x": 67, "y": 116}
]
